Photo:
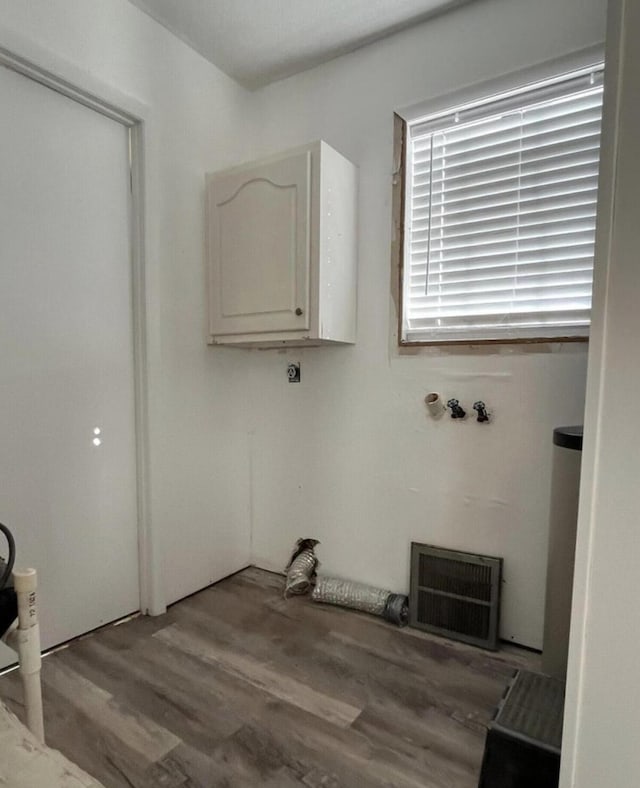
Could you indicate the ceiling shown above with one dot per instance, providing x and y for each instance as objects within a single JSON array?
[{"x": 260, "y": 41}]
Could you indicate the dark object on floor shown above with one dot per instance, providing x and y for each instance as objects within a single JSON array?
[
  {"x": 455, "y": 594},
  {"x": 8, "y": 598},
  {"x": 481, "y": 409},
  {"x": 522, "y": 748},
  {"x": 301, "y": 569},
  {"x": 6, "y": 567},
  {"x": 8, "y": 610}
]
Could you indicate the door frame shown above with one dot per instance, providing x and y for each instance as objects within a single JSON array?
[{"x": 29, "y": 59}]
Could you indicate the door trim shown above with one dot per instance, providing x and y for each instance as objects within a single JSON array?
[{"x": 68, "y": 80}]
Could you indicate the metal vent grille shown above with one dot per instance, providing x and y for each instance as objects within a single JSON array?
[{"x": 455, "y": 594}]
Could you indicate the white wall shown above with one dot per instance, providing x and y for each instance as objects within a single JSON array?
[
  {"x": 602, "y": 719},
  {"x": 195, "y": 121},
  {"x": 349, "y": 455}
]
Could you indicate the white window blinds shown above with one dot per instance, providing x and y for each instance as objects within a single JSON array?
[{"x": 500, "y": 215}]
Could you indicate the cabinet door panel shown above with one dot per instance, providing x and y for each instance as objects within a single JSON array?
[{"x": 259, "y": 247}]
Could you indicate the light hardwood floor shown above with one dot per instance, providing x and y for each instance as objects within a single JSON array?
[{"x": 236, "y": 686}]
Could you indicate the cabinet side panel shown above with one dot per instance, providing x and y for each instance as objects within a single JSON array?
[
  {"x": 338, "y": 247},
  {"x": 315, "y": 225}
]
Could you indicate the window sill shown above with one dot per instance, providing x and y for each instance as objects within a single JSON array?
[
  {"x": 481, "y": 342},
  {"x": 497, "y": 347}
]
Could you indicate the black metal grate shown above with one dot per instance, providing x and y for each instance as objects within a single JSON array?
[
  {"x": 533, "y": 709},
  {"x": 455, "y": 576},
  {"x": 455, "y": 615},
  {"x": 455, "y": 594}
]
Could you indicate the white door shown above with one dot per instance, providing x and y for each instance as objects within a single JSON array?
[
  {"x": 259, "y": 247},
  {"x": 67, "y": 429}
]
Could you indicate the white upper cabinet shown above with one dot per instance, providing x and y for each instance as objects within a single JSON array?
[{"x": 282, "y": 250}]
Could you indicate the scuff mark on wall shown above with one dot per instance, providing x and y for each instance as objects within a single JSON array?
[{"x": 477, "y": 501}]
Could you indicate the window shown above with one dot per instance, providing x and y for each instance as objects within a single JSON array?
[{"x": 500, "y": 213}]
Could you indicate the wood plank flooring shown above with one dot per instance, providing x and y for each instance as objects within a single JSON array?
[{"x": 236, "y": 686}]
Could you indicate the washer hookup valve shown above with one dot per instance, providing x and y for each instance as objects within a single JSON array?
[{"x": 456, "y": 411}]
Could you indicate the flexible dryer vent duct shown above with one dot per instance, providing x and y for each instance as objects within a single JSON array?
[
  {"x": 358, "y": 596},
  {"x": 301, "y": 568}
]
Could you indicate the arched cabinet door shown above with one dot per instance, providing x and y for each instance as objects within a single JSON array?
[{"x": 260, "y": 247}]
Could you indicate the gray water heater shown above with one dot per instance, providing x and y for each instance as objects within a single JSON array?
[{"x": 563, "y": 519}]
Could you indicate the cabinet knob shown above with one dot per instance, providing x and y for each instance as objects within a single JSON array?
[{"x": 298, "y": 311}]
